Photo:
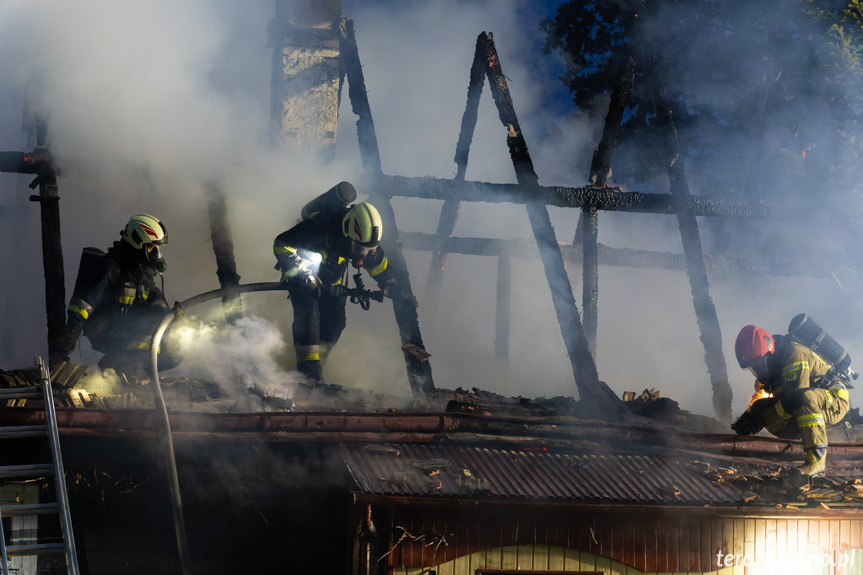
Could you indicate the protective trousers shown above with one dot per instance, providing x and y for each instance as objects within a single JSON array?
[
  {"x": 127, "y": 339},
  {"x": 815, "y": 409},
  {"x": 318, "y": 324}
]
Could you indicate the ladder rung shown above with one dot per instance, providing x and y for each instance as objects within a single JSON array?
[
  {"x": 19, "y": 431},
  {"x": 24, "y": 470},
  {"x": 29, "y": 509},
  {"x": 34, "y": 549},
  {"x": 20, "y": 393}
]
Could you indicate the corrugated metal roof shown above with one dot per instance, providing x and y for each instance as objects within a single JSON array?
[{"x": 527, "y": 474}]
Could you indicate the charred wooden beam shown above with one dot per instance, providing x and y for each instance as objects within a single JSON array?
[
  {"x": 590, "y": 275},
  {"x": 502, "y": 308},
  {"x": 601, "y": 162},
  {"x": 599, "y": 171},
  {"x": 450, "y": 209},
  {"x": 52, "y": 249},
  {"x": 590, "y": 387},
  {"x": 357, "y": 93},
  {"x": 605, "y": 199},
  {"x": 40, "y": 163},
  {"x": 419, "y": 369},
  {"x": 705, "y": 311},
  {"x": 223, "y": 248},
  {"x": 719, "y": 266},
  {"x": 36, "y": 162}
]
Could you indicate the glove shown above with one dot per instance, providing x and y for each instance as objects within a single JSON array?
[
  {"x": 309, "y": 282},
  {"x": 65, "y": 344},
  {"x": 747, "y": 424}
]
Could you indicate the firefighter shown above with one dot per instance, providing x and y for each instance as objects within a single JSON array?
[
  {"x": 806, "y": 396},
  {"x": 116, "y": 303},
  {"x": 312, "y": 257}
]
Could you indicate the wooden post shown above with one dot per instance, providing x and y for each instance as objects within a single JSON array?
[
  {"x": 450, "y": 209},
  {"x": 417, "y": 364},
  {"x": 502, "y": 309},
  {"x": 705, "y": 312},
  {"x": 590, "y": 389},
  {"x": 223, "y": 247},
  {"x": 599, "y": 171},
  {"x": 52, "y": 249}
]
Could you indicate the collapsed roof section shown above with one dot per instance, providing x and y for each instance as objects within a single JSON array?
[{"x": 579, "y": 338}]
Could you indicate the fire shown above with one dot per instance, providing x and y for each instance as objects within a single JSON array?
[{"x": 760, "y": 393}]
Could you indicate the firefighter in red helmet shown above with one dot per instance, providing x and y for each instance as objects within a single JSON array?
[
  {"x": 805, "y": 396},
  {"x": 313, "y": 256},
  {"x": 116, "y": 303}
]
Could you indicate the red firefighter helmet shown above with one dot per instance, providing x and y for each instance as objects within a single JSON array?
[{"x": 753, "y": 343}]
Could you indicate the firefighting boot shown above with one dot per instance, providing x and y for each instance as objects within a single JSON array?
[
  {"x": 814, "y": 436},
  {"x": 311, "y": 372},
  {"x": 309, "y": 363}
]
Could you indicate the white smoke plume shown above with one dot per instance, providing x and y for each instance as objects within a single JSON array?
[{"x": 150, "y": 102}]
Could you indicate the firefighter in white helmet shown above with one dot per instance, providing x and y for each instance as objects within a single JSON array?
[
  {"x": 312, "y": 256},
  {"x": 116, "y": 302}
]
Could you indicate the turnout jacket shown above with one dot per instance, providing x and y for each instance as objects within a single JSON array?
[
  {"x": 321, "y": 234},
  {"x": 116, "y": 285},
  {"x": 794, "y": 367}
]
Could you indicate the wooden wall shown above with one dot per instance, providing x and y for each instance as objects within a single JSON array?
[
  {"x": 544, "y": 559},
  {"x": 663, "y": 540}
]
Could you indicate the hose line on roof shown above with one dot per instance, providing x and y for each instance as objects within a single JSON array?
[{"x": 162, "y": 410}]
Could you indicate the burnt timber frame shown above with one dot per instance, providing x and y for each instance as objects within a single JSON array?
[
  {"x": 418, "y": 368},
  {"x": 40, "y": 163},
  {"x": 223, "y": 248},
  {"x": 450, "y": 208},
  {"x": 590, "y": 199},
  {"x": 705, "y": 311},
  {"x": 590, "y": 388},
  {"x": 586, "y": 232}
]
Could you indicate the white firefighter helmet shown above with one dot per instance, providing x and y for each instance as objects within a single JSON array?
[
  {"x": 362, "y": 224},
  {"x": 144, "y": 229}
]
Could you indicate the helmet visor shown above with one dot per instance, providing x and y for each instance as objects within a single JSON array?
[
  {"x": 759, "y": 368},
  {"x": 154, "y": 257},
  {"x": 154, "y": 252}
]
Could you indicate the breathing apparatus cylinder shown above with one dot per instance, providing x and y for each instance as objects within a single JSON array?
[
  {"x": 89, "y": 256},
  {"x": 336, "y": 198},
  {"x": 810, "y": 334}
]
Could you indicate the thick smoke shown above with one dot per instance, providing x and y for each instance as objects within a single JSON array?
[{"x": 151, "y": 103}]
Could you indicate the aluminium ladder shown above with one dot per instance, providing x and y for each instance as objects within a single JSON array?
[{"x": 61, "y": 507}]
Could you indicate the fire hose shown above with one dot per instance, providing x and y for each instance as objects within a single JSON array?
[{"x": 357, "y": 295}]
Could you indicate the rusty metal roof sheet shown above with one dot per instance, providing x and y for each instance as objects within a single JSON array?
[{"x": 527, "y": 474}]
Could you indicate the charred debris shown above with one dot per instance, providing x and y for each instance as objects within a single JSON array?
[
  {"x": 579, "y": 337},
  {"x": 700, "y": 463}
]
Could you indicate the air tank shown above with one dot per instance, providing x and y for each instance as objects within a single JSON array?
[
  {"x": 810, "y": 334},
  {"x": 89, "y": 256},
  {"x": 336, "y": 198}
]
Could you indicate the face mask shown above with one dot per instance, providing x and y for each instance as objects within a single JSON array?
[
  {"x": 760, "y": 369},
  {"x": 358, "y": 254},
  {"x": 155, "y": 259}
]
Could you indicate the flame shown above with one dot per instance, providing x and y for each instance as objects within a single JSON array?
[{"x": 760, "y": 393}]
